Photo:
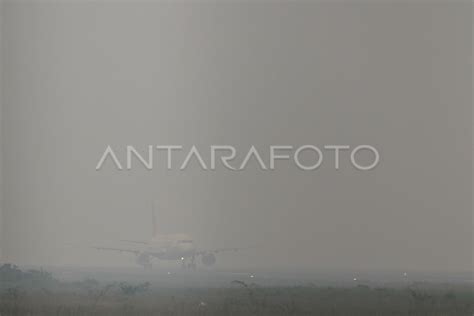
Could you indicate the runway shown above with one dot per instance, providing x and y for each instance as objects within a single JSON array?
[{"x": 215, "y": 277}]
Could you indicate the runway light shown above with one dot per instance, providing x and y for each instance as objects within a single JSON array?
[
  {"x": 169, "y": 273},
  {"x": 252, "y": 276},
  {"x": 405, "y": 274},
  {"x": 355, "y": 279},
  {"x": 182, "y": 258}
]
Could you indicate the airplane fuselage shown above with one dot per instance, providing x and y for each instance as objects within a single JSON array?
[{"x": 173, "y": 247}]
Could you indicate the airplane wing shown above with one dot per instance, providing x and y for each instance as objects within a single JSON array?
[
  {"x": 218, "y": 250},
  {"x": 131, "y": 250},
  {"x": 136, "y": 241},
  {"x": 135, "y": 251}
]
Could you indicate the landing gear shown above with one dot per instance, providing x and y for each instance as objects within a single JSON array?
[
  {"x": 192, "y": 264},
  {"x": 145, "y": 261},
  {"x": 188, "y": 265}
]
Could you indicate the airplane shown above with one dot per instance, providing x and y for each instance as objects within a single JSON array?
[{"x": 172, "y": 247}]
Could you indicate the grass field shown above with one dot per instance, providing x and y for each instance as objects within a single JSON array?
[{"x": 38, "y": 293}]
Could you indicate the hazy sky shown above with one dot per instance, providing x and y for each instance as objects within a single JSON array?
[{"x": 78, "y": 76}]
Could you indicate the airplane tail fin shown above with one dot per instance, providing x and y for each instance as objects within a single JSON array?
[{"x": 153, "y": 219}]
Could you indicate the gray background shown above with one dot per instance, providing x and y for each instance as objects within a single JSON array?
[{"x": 77, "y": 76}]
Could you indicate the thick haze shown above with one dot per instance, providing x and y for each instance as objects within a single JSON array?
[{"x": 79, "y": 76}]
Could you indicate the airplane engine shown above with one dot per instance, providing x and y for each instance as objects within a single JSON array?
[{"x": 208, "y": 259}]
